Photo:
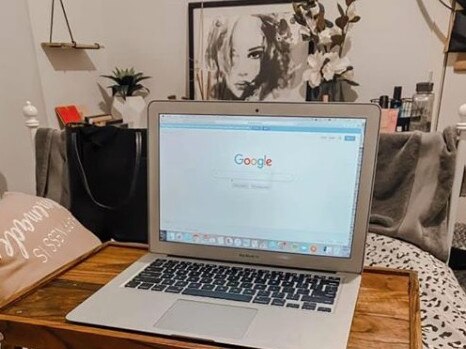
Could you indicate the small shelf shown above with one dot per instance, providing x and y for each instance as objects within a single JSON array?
[{"x": 71, "y": 45}]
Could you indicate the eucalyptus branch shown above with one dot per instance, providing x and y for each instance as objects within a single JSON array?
[
  {"x": 343, "y": 33},
  {"x": 326, "y": 63}
]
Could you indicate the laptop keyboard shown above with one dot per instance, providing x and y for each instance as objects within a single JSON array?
[{"x": 275, "y": 288}]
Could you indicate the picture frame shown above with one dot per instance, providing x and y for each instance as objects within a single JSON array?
[
  {"x": 246, "y": 50},
  {"x": 456, "y": 42}
]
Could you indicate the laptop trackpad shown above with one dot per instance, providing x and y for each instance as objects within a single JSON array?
[{"x": 200, "y": 319}]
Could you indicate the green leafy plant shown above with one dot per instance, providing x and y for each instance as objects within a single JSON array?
[{"x": 128, "y": 82}]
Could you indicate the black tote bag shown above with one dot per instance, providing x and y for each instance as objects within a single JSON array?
[{"x": 108, "y": 181}]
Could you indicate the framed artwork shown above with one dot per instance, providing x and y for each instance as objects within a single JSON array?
[{"x": 246, "y": 50}]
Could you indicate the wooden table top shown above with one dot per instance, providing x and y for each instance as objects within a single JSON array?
[{"x": 387, "y": 312}]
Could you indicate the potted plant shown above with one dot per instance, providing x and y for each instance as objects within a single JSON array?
[{"x": 128, "y": 102}]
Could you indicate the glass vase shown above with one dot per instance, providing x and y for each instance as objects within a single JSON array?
[{"x": 333, "y": 89}]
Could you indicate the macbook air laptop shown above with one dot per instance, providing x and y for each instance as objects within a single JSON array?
[{"x": 258, "y": 219}]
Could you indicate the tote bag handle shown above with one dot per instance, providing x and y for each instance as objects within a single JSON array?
[{"x": 82, "y": 173}]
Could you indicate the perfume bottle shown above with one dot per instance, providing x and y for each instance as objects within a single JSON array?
[
  {"x": 402, "y": 124},
  {"x": 423, "y": 104}
]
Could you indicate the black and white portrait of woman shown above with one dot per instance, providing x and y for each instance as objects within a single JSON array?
[{"x": 252, "y": 57}]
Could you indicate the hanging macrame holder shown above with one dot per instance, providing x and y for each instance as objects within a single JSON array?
[{"x": 66, "y": 45}]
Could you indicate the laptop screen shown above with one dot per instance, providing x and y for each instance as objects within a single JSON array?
[{"x": 280, "y": 184}]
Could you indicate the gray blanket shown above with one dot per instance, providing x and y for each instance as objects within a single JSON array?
[
  {"x": 51, "y": 167},
  {"x": 412, "y": 188}
]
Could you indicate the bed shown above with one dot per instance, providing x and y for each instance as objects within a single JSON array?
[{"x": 443, "y": 301}]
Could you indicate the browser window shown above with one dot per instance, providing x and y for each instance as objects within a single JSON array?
[{"x": 285, "y": 184}]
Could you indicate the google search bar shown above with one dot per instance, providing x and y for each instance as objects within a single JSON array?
[{"x": 253, "y": 176}]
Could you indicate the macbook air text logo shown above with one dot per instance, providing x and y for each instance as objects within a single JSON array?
[
  {"x": 249, "y": 256},
  {"x": 250, "y": 161}
]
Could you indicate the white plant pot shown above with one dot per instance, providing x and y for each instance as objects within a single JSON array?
[{"x": 131, "y": 110}]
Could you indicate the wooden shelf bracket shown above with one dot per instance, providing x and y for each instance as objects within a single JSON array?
[{"x": 66, "y": 45}]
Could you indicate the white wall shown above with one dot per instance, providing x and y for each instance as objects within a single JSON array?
[
  {"x": 454, "y": 94},
  {"x": 19, "y": 82},
  {"x": 394, "y": 44},
  {"x": 70, "y": 76},
  {"x": 154, "y": 41},
  {"x": 398, "y": 42},
  {"x": 145, "y": 34}
]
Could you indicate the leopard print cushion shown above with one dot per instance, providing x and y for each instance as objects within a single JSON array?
[{"x": 443, "y": 301}]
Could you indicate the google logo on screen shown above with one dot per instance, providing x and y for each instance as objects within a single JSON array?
[{"x": 250, "y": 161}]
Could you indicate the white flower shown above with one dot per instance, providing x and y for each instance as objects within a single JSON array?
[
  {"x": 335, "y": 65},
  {"x": 311, "y": 24},
  {"x": 315, "y": 10},
  {"x": 352, "y": 11},
  {"x": 314, "y": 75},
  {"x": 325, "y": 36}
]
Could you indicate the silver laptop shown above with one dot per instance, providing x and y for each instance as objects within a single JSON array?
[{"x": 258, "y": 218}]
